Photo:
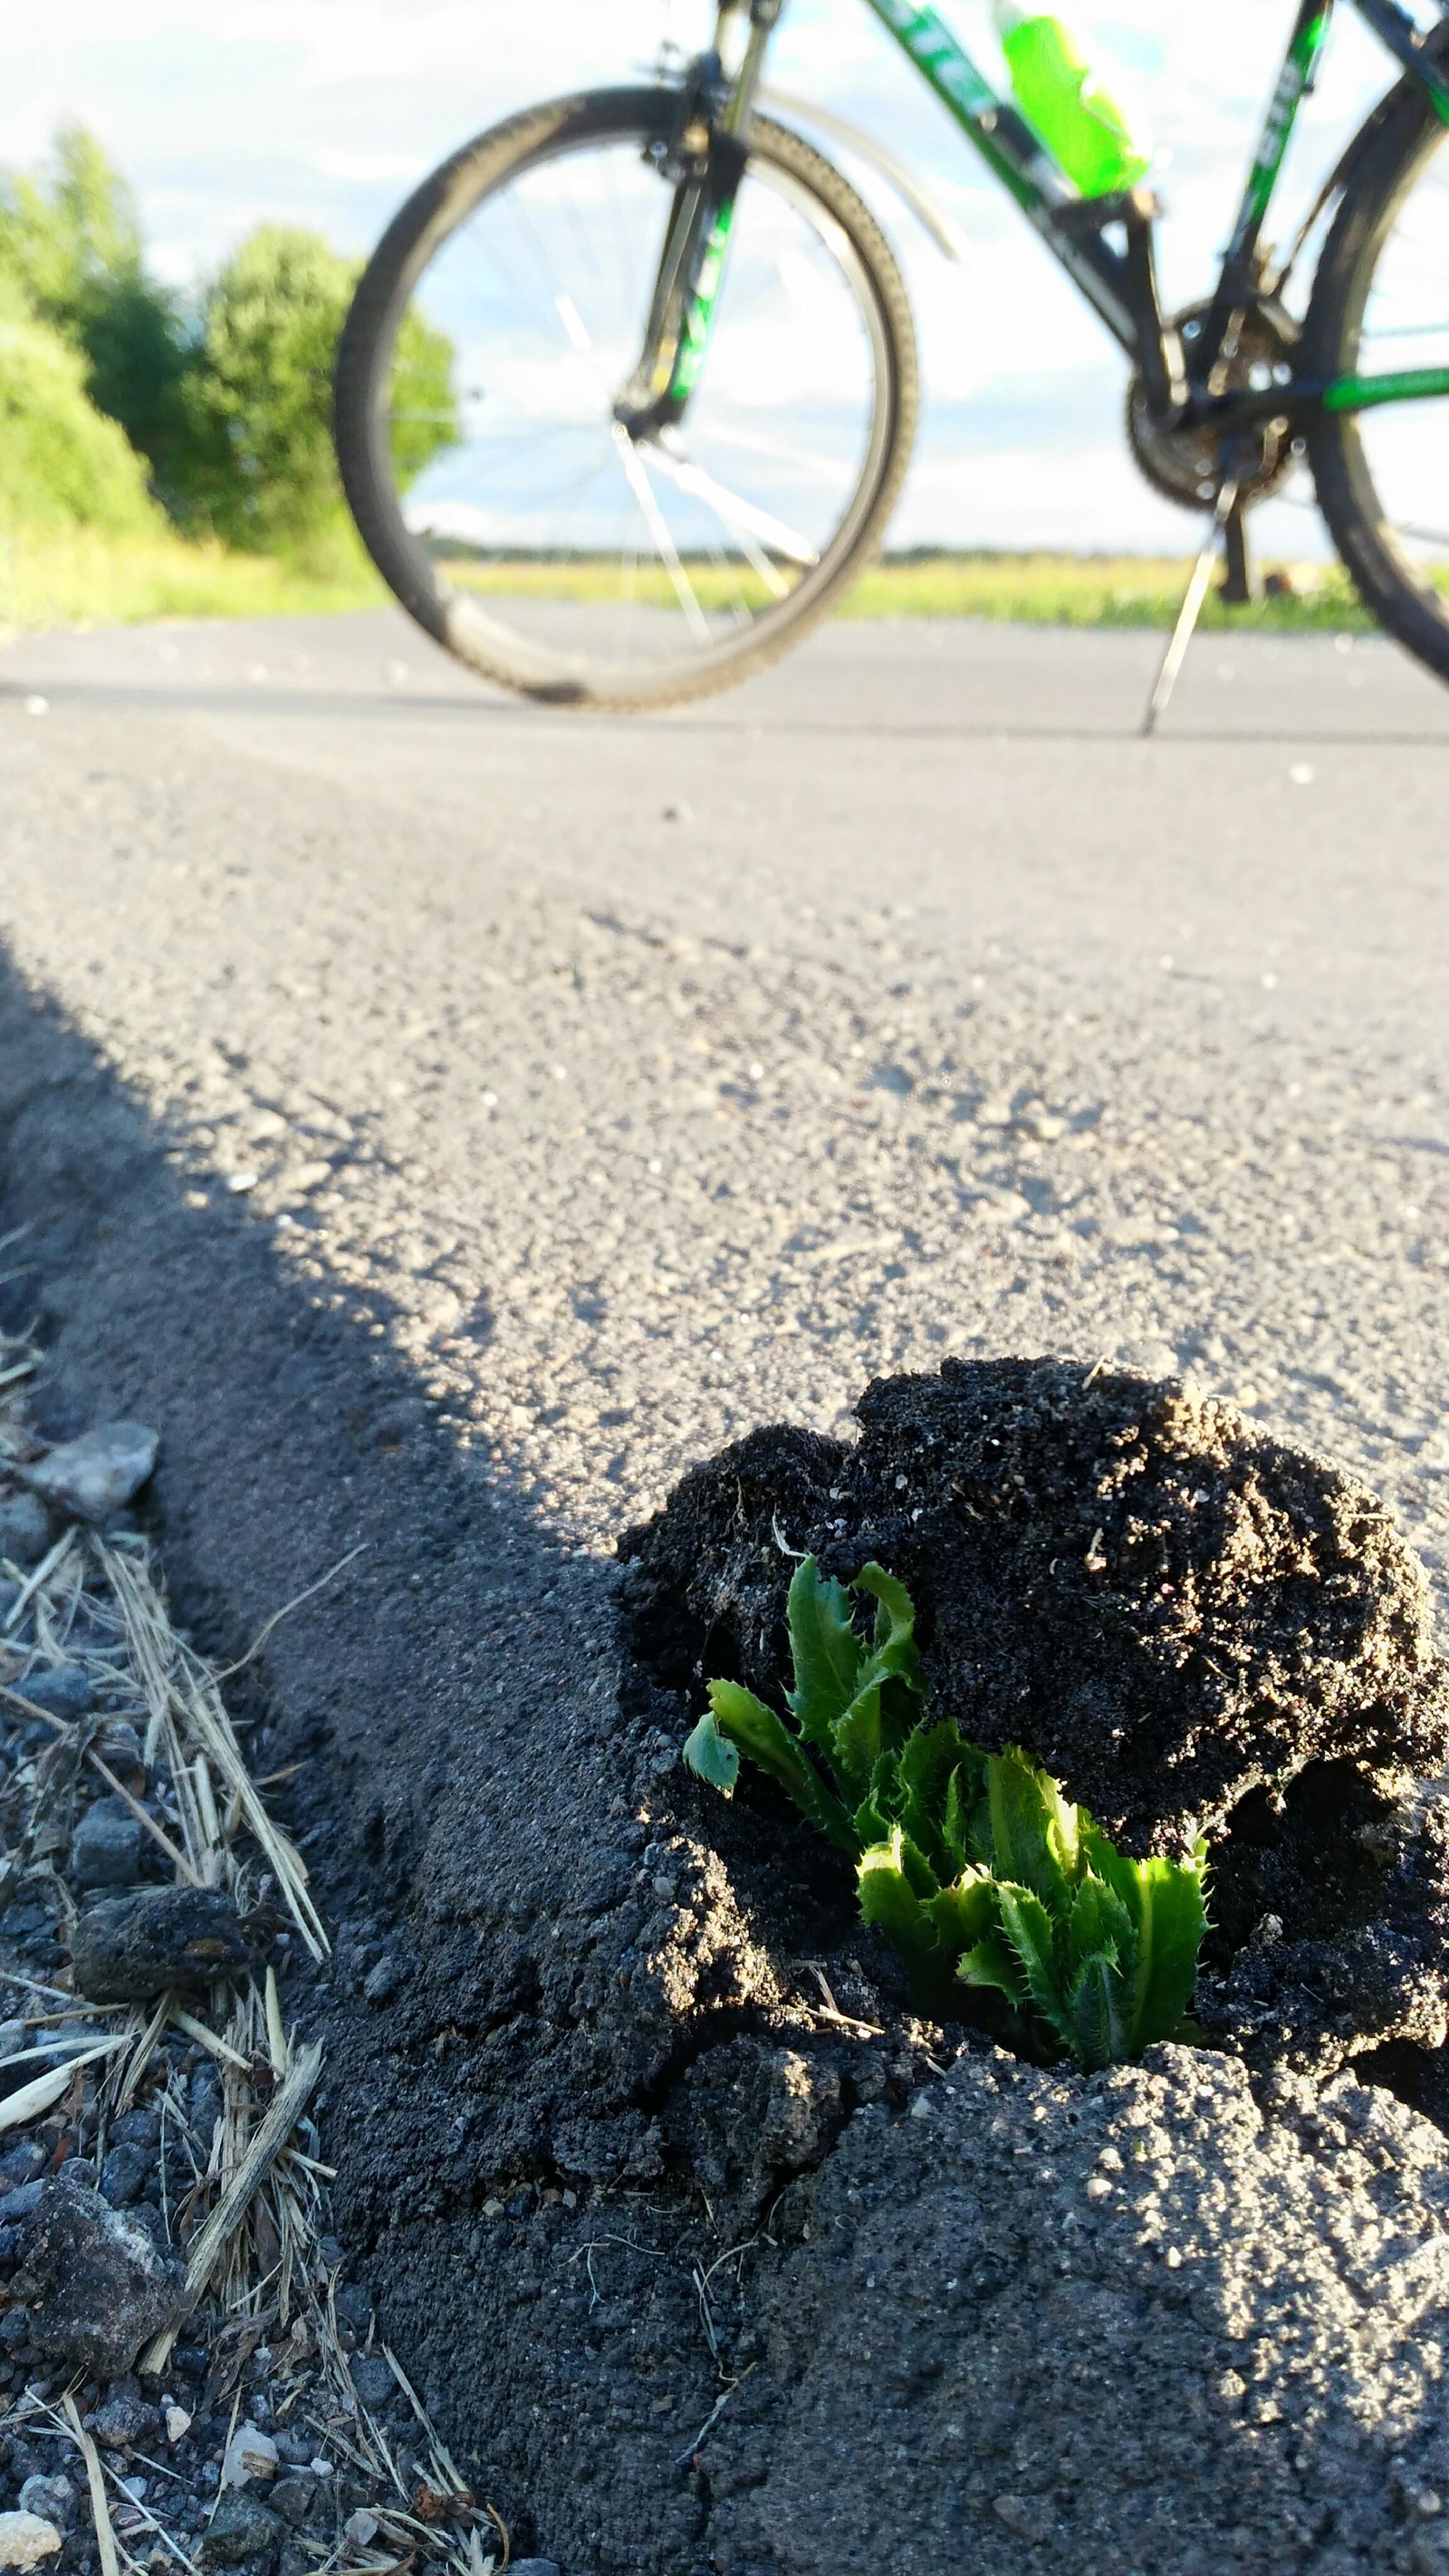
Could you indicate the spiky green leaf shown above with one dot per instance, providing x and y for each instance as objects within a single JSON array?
[
  {"x": 959, "y": 1802},
  {"x": 711, "y": 1756},
  {"x": 994, "y": 1963},
  {"x": 825, "y": 1651},
  {"x": 767, "y": 1740},
  {"x": 890, "y": 1902},
  {"x": 1030, "y": 1930},
  {"x": 966, "y": 1911},
  {"x": 1096, "y": 2003},
  {"x": 1026, "y": 1831},
  {"x": 1169, "y": 1937},
  {"x": 1099, "y": 1923},
  {"x": 927, "y": 1762},
  {"x": 893, "y": 1648},
  {"x": 855, "y": 1742}
]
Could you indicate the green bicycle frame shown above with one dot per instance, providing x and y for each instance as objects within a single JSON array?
[
  {"x": 1121, "y": 284},
  {"x": 711, "y": 149}
]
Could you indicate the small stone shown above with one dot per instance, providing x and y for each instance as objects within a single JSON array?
[
  {"x": 62, "y": 1690},
  {"x": 94, "y": 1476},
  {"x": 361, "y": 2527},
  {"x": 249, "y": 2454},
  {"x": 53, "y": 2499},
  {"x": 25, "y": 1531},
  {"x": 128, "y": 1948},
  {"x": 119, "y": 1746},
  {"x": 242, "y": 2527},
  {"x": 125, "y": 2174},
  {"x": 26, "y": 2538},
  {"x": 98, "y": 2282},
  {"x": 178, "y": 2423},
  {"x": 372, "y": 2379},
  {"x": 138, "y": 2128},
  {"x": 533, "y": 2567},
  {"x": 17, "y": 2204},
  {"x": 1016, "y": 2515},
  {"x": 295, "y": 2499},
  {"x": 125, "y": 2419},
  {"x": 383, "y": 1982},
  {"x": 106, "y": 1846}
]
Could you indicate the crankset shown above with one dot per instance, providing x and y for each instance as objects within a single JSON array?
[{"x": 1185, "y": 462}]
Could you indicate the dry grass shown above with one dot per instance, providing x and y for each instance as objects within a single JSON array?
[{"x": 247, "y": 2198}]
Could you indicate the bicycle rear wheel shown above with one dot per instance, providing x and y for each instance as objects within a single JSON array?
[
  {"x": 491, "y": 335},
  {"x": 1380, "y": 304}
]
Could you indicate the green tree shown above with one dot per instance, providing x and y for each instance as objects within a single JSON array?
[
  {"x": 61, "y": 462},
  {"x": 257, "y": 395},
  {"x": 72, "y": 242}
]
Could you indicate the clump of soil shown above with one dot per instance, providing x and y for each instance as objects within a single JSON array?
[{"x": 1195, "y": 1627}]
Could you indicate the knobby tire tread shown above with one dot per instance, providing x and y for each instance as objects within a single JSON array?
[
  {"x": 1403, "y": 605},
  {"x": 445, "y": 199}
]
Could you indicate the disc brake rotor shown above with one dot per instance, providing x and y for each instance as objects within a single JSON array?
[{"x": 1185, "y": 465}]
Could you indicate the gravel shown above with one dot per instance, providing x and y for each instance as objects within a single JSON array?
[
  {"x": 97, "y": 2282},
  {"x": 93, "y": 1476}
]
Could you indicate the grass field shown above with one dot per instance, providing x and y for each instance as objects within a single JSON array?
[
  {"x": 1023, "y": 589},
  {"x": 85, "y": 579}
]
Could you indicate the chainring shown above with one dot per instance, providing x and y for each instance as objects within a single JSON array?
[{"x": 1185, "y": 465}]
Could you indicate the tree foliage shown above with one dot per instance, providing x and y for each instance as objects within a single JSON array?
[
  {"x": 229, "y": 401},
  {"x": 61, "y": 463},
  {"x": 257, "y": 396},
  {"x": 71, "y": 242}
]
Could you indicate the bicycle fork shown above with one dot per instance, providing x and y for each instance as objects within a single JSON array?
[{"x": 706, "y": 158}]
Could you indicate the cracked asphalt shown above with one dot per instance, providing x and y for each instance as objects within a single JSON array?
[{"x": 645, "y": 1079}]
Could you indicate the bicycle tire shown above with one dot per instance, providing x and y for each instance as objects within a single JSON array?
[
  {"x": 423, "y": 226},
  {"x": 1396, "y": 146}
]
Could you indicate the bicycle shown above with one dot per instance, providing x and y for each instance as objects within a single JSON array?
[{"x": 685, "y": 379}]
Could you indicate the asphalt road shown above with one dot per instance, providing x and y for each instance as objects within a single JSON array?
[{"x": 640, "y": 1080}]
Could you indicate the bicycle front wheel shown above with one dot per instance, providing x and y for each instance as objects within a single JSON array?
[
  {"x": 1380, "y": 307},
  {"x": 491, "y": 337}
]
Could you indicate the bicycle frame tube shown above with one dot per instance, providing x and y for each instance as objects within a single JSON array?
[
  {"x": 1007, "y": 145},
  {"x": 1119, "y": 283},
  {"x": 1121, "y": 286}
]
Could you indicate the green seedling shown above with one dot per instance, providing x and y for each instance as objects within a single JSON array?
[{"x": 973, "y": 1864}]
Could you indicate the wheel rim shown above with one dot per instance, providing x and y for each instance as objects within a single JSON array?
[
  {"x": 566, "y": 558},
  {"x": 1398, "y": 319}
]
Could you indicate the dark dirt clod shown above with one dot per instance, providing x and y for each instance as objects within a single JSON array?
[
  {"x": 129, "y": 1948},
  {"x": 97, "y": 2282},
  {"x": 243, "y": 2530},
  {"x": 1167, "y": 1607}
]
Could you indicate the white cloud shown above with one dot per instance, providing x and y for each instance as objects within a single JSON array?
[{"x": 325, "y": 111}]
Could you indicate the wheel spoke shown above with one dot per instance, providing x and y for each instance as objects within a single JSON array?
[
  {"x": 753, "y": 526},
  {"x": 654, "y": 519},
  {"x": 627, "y": 566}
]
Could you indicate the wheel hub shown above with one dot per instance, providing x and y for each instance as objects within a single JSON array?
[{"x": 1185, "y": 465}]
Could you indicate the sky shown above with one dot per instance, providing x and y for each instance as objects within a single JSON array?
[{"x": 327, "y": 113}]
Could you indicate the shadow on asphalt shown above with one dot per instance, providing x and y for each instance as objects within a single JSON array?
[{"x": 292, "y": 1432}]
